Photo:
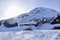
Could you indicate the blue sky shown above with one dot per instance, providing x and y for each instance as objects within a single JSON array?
[{"x": 28, "y": 5}]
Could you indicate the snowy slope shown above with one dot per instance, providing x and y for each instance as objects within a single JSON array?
[{"x": 35, "y": 20}]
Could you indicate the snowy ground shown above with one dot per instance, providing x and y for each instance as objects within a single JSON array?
[{"x": 31, "y": 35}]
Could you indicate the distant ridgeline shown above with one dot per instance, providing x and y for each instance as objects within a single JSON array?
[{"x": 36, "y": 17}]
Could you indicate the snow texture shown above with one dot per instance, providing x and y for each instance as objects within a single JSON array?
[{"x": 31, "y": 35}]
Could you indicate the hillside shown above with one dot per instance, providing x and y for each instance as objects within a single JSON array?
[{"x": 37, "y": 19}]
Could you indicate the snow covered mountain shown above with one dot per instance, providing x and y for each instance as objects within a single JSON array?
[{"x": 37, "y": 19}]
